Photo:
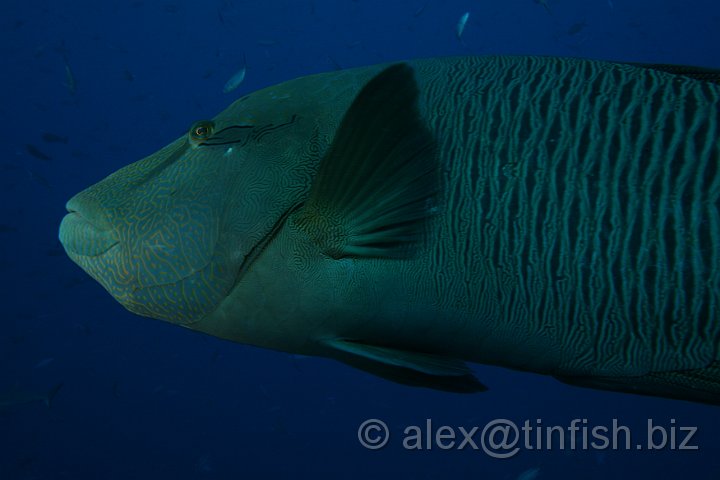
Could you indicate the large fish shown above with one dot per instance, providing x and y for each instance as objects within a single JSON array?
[{"x": 551, "y": 215}]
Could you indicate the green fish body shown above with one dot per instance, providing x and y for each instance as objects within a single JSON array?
[{"x": 552, "y": 215}]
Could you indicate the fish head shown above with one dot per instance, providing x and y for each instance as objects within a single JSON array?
[{"x": 168, "y": 235}]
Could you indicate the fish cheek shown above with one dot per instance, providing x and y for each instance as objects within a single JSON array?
[
  {"x": 176, "y": 246},
  {"x": 187, "y": 300}
]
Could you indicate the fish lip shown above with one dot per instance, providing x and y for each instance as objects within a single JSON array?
[
  {"x": 74, "y": 207},
  {"x": 82, "y": 237},
  {"x": 80, "y": 247}
]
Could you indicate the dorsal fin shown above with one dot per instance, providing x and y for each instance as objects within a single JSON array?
[{"x": 704, "y": 74}]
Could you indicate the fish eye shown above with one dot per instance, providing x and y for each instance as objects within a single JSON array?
[{"x": 200, "y": 131}]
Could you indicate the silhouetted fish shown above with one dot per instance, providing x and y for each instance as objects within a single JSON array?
[
  {"x": 39, "y": 179},
  {"x": 54, "y": 252},
  {"x": 577, "y": 28},
  {"x": 70, "y": 82},
  {"x": 49, "y": 137},
  {"x": 334, "y": 63},
  {"x": 44, "y": 362},
  {"x": 529, "y": 474},
  {"x": 460, "y": 28},
  {"x": 35, "y": 152},
  {"x": 14, "y": 398},
  {"x": 235, "y": 81},
  {"x": 544, "y": 4}
]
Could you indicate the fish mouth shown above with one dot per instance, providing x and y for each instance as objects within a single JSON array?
[{"x": 84, "y": 232}]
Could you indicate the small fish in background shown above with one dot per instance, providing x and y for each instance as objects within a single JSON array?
[
  {"x": 140, "y": 97},
  {"x": 266, "y": 42},
  {"x": 49, "y": 137},
  {"x": 228, "y": 13},
  {"x": 73, "y": 282},
  {"x": 83, "y": 328},
  {"x": 70, "y": 82},
  {"x": 203, "y": 465},
  {"x": 4, "y": 228},
  {"x": 44, "y": 362},
  {"x": 41, "y": 107},
  {"x": 296, "y": 360},
  {"x": 129, "y": 76},
  {"x": 56, "y": 251},
  {"x": 544, "y": 4},
  {"x": 576, "y": 28},
  {"x": 529, "y": 474},
  {"x": 461, "y": 24},
  {"x": 8, "y": 167},
  {"x": 335, "y": 64},
  {"x": 35, "y": 152},
  {"x": 14, "y": 398},
  {"x": 116, "y": 390},
  {"x": 39, "y": 179},
  {"x": 61, "y": 49},
  {"x": 39, "y": 50},
  {"x": 420, "y": 10},
  {"x": 238, "y": 78}
]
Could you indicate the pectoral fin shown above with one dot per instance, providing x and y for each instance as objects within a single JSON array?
[
  {"x": 375, "y": 188},
  {"x": 408, "y": 368}
]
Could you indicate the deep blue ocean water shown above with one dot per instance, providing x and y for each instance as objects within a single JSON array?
[{"x": 146, "y": 399}]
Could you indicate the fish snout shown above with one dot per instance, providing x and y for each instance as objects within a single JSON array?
[{"x": 85, "y": 230}]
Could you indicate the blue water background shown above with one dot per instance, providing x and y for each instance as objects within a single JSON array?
[{"x": 145, "y": 399}]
